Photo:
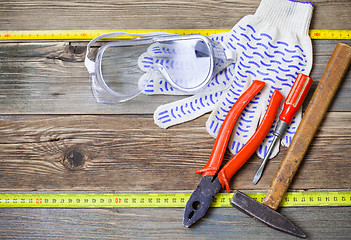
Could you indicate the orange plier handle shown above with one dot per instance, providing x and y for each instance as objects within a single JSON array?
[{"x": 253, "y": 143}]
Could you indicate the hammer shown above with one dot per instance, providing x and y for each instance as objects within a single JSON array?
[{"x": 315, "y": 112}]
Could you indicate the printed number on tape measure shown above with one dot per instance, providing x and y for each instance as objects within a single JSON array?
[
  {"x": 90, "y": 34},
  {"x": 81, "y": 200},
  {"x": 93, "y": 200}
]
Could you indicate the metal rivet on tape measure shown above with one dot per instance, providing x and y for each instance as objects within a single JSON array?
[{"x": 113, "y": 200}]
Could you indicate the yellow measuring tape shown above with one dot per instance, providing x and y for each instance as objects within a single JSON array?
[
  {"x": 90, "y": 34},
  {"x": 119, "y": 200}
]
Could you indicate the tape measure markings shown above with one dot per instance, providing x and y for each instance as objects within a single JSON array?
[
  {"x": 90, "y": 34},
  {"x": 330, "y": 34},
  {"x": 116, "y": 200}
]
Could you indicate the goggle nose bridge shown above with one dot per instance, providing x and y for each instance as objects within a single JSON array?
[{"x": 104, "y": 93}]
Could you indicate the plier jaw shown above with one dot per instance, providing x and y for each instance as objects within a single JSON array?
[
  {"x": 201, "y": 199},
  {"x": 212, "y": 179}
]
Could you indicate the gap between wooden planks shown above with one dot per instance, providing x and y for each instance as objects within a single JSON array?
[
  {"x": 130, "y": 153},
  {"x": 50, "y": 78}
]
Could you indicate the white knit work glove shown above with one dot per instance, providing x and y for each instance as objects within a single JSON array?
[
  {"x": 153, "y": 82},
  {"x": 179, "y": 61},
  {"x": 273, "y": 46}
]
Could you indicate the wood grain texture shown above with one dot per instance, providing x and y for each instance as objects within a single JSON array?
[
  {"x": 50, "y": 78},
  {"x": 125, "y": 153},
  {"x": 55, "y": 137},
  {"x": 165, "y": 223},
  {"x": 126, "y": 14},
  {"x": 309, "y": 125}
]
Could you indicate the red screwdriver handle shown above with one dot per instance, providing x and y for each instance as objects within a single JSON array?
[{"x": 295, "y": 97}]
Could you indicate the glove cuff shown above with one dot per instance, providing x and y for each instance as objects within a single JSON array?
[{"x": 291, "y": 15}]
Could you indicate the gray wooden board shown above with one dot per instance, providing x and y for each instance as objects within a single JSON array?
[
  {"x": 50, "y": 77},
  {"x": 87, "y": 146},
  {"x": 165, "y": 223},
  {"x": 126, "y": 14},
  {"x": 128, "y": 153}
]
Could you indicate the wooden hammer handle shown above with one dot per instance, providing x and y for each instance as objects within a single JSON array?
[{"x": 315, "y": 112}]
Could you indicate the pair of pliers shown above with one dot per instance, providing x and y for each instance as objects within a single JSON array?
[{"x": 211, "y": 182}]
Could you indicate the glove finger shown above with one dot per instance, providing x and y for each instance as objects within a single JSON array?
[
  {"x": 163, "y": 51},
  {"x": 246, "y": 125},
  {"x": 168, "y": 55},
  {"x": 163, "y": 54},
  {"x": 290, "y": 132},
  {"x": 181, "y": 70},
  {"x": 153, "y": 82},
  {"x": 228, "y": 99},
  {"x": 146, "y": 62},
  {"x": 219, "y": 38},
  {"x": 166, "y": 50},
  {"x": 286, "y": 139},
  {"x": 263, "y": 148},
  {"x": 185, "y": 110},
  {"x": 222, "y": 80}
]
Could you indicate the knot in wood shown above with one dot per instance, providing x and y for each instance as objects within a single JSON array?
[
  {"x": 78, "y": 50},
  {"x": 74, "y": 159}
]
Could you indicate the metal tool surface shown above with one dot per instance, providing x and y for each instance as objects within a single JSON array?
[
  {"x": 292, "y": 104},
  {"x": 211, "y": 182},
  {"x": 314, "y": 114},
  {"x": 265, "y": 214},
  {"x": 158, "y": 199}
]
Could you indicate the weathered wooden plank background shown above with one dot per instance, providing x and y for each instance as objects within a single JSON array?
[
  {"x": 47, "y": 112},
  {"x": 124, "y": 153}
]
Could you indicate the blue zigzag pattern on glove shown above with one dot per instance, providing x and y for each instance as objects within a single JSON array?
[
  {"x": 221, "y": 79},
  {"x": 198, "y": 103},
  {"x": 262, "y": 58},
  {"x": 188, "y": 108},
  {"x": 160, "y": 56},
  {"x": 164, "y": 86}
]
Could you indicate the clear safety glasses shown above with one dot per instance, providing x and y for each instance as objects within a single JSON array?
[{"x": 188, "y": 64}]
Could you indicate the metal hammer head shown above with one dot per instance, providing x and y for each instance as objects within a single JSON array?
[{"x": 264, "y": 214}]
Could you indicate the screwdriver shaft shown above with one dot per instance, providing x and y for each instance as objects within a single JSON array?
[
  {"x": 292, "y": 103},
  {"x": 263, "y": 164},
  {"x": 277, "y": 135}
]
